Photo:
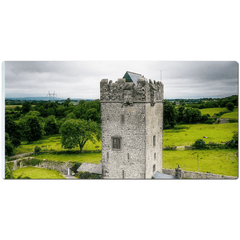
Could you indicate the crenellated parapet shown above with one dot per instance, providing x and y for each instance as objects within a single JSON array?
[{"x": 128, "y": 92}]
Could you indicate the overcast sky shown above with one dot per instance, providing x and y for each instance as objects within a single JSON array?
[{"x": 82, "y": 79}]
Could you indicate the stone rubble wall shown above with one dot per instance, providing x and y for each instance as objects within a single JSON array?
[
  {"x": 47, "y": 164},
  {"x": 197, "y": 175}
]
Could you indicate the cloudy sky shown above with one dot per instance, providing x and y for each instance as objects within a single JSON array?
[{"x": 82, "y": 79}]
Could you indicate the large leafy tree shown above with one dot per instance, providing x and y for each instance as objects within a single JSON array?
[
  {"x": 31, "y": 127},
  {"x": 191, "y": 115},
  {"x": 51, "y": 126},
  {"x": 8, "y": 145},
  {"x": 13, "y": 130},
  {"x": 169, "y": 115},
  {"x": 26, "y": 107},
  {"x": 76, "y": 132}
]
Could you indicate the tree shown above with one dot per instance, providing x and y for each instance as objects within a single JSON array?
[
  {"x": 50, "y": 126},
  {"x": 199, "y": 144},
  {"x": 191, "y": 115},
  {"x": 66, "y": 103},
  {"x": 75, "y": 133},
  {"x": 13, "y": 130},
  {"x": 169, "y": 115},
  {"x": 31, "y": 127},
  {"x": 230, "y": 106},
  {"x": 8, "y": 145},
  {"x": 26, "y": 107}
]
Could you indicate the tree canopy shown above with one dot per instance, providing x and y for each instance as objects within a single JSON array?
[{"x": 76, "y": 132}]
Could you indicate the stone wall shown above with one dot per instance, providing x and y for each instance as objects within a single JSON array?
[
  {"x": 52, "y": 165},
  {"x": 197, "y": 175}
]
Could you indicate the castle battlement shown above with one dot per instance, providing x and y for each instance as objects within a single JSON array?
[{"x": 129, "y": 93}]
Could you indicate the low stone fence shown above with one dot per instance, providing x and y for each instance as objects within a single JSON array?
[
  {"x": 47, "y": 164},
  {"x": 20, "y": 155},
  {"x": 197, "y": 175}
]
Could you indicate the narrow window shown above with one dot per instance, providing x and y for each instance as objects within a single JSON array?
[
  {"x": 154, "y": 155},
  {"x": 128, "y": 156},
  {"x": 116, "y": 143},
  {"x": 123, "y": 173},
  {"x": 154, "y": 167},
  {"x": 122, "y": 118},
  {"x": 154, "y": 140},
  {"x": 107, "y": 155}
]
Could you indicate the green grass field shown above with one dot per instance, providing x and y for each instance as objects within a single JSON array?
[
  {"x": 37, "y": 173},
  {"x": 231, "y": 115},
  {"x": 73, "y": 157},
  {"x": 222, "y": 161},
  {"x": 53, "y": 143},
  {"x": 183, "y": 135},
  {"x": 10, "y": 107},
  {"x": 212, "y": 111}
]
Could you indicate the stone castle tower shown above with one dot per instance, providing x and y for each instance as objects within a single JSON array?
[{"x": 132, "y": 124}]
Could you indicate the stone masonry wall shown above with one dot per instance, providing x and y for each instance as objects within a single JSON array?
[
  {"x": 154, "y": 124},
  {"x": 52, "y": 165},
  {"x": 131, "y": 157},
  {"x": 198, "y": 175}
]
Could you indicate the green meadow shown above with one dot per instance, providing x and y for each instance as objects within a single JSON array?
[
  {"x": 212, "y": 111},
  {"x": 183, "y": 135},
  {"x": 37, "y": 173},
  {"x": 231, "y": 115},
  {"x": 53, "y": 143},
  {"x": 222, "y": 161}
]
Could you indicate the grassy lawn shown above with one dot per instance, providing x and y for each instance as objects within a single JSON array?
[
  {"x": 222, "y": 161},
  {"x": 212, "y": 111},
  {"x": 73, "y": 157},
  {"x": 37, "y": 173},
  {"x": 183, "y": 135},
  {"x": 52, "y": 143},
  {"x": 231, "y": 115}
]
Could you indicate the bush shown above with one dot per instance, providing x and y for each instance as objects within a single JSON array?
[
  {"x": 75, "y": 167},
  {"x": 199, "y": 144},
  {"x": 230, "y": 106},
  {"x": 234, "y": 142},
  {"x": 37, "y": 150},
  {"x": 210, "y": 121},
  {"x": 84, "y": 175},
  {"x": 35, "y": 161}
]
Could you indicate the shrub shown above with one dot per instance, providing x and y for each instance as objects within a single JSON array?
[
  {"x": 199, "y": 144},
  {"x": 210, "y": 121},
  {"x": 84, "y": 175},
  {"x": 95, "y": 176},
  {"x": 75, "y": 167},
  {"x": 35, "y": 161},
  {"x": 230, "y": 106},
  {"x": 37, "y": 150},
  {"x": 234, "y": 142}
]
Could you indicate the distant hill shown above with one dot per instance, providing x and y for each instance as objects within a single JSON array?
[
  {"x": 34, "y": 98},
  {"x": 44, "y": 99}
]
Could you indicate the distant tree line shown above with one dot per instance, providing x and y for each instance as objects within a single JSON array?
[{"x": 189, "y": 113}]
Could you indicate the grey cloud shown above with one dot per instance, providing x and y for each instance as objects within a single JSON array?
[{"x": 82, "y": 79}]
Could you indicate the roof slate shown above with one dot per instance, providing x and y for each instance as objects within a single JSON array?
[
  {"x": 134, "y": 76},
  {"x": 90, "y": 167}
]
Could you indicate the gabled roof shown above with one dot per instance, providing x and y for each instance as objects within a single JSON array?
[
  {"x": 132, "y": 77},
  {"x": 90, "y": 167},
  {"x": 158, "y": 175}
]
